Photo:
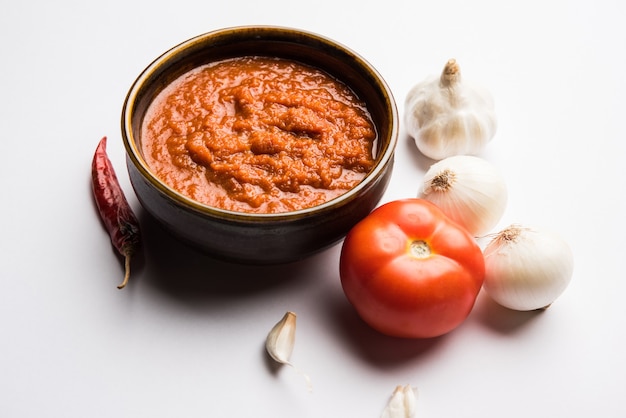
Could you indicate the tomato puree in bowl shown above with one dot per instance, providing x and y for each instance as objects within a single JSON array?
[{"x": 259, "y": 135}]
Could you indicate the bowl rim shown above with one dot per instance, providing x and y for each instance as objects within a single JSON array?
[{"x": 134, "y": 154}]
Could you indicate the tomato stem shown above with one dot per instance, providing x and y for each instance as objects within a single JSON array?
[{"x": 420, "y": 249}]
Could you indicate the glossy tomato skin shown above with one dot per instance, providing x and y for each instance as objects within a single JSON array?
[{"x": 410, "y": 271}]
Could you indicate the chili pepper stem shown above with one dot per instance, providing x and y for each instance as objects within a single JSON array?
[{"x": 127, "y": 272}]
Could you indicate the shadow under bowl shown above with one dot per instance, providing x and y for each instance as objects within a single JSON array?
[{"x": 260, "y": 238}]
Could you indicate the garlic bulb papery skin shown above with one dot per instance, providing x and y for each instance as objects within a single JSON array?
[
  {"x": 469, "y": 190},
  {"x": 527, "y": 268},
  {"x": 448, "y": 115},
  {"x": 403, "y": 403}
]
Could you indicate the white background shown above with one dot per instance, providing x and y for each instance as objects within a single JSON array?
[{"x": 185, "y": 338}]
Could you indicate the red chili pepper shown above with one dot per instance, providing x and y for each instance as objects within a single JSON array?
[{"x": 117, "y": 215}]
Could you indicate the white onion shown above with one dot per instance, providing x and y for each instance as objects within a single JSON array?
[
  {"x": 469, "y": 190},
  {"x": 527, "y": 268}
]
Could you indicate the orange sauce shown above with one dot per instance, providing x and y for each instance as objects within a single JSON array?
[{"x": 260, "y": 135}]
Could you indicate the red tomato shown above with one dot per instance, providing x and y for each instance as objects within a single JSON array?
[{"x": 410, "y": 271}]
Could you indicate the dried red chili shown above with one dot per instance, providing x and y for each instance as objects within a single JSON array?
[{"x": 117, "y": 215}]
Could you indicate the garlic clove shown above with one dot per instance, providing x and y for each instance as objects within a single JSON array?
[
  {"x": 281, "y": 339},
  {"x": 280, "y": 342},
  {"x": 402, "y": 404},
  {"x": 447, "y": 115}
]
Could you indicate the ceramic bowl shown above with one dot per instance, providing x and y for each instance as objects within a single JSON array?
[{"x": 260, "y": 238}]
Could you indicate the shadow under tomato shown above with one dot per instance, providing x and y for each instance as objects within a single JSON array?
[
  {"x": 180, "y": 270},
  {"x": 374, "y": 347},
  {"x": 500, "y": 319}
]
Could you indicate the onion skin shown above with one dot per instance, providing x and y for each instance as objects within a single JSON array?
[
  {"x": 469, "y": 190},
  {"x": 527, "y": 268}
]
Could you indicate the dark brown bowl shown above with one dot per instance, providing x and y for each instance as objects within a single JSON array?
[{"x": 260, "y": 238}]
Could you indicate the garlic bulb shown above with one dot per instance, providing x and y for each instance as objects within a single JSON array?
[
  {"x": 469, "y": 190},
  {"x": 449, "y": 116},
  {"x": 402, "y": 403},
  {"x": 527, "y": 268}
]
